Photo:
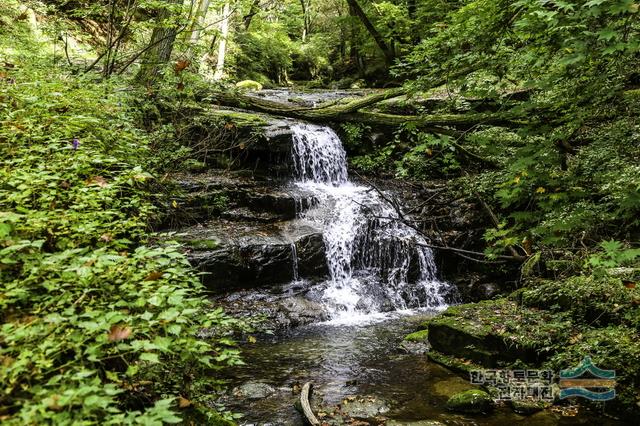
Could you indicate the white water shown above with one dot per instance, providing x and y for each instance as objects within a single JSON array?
[{"x": 377, "y": 264}]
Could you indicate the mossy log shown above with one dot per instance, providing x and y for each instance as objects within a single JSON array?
[{"x": 352, "y": 112}]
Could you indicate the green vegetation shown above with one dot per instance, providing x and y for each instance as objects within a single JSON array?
[{"x": 98, "y": 327}]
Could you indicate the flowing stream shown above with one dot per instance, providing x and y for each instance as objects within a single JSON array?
[
  {"x": 376, "y": 262},
  {"x": 382, "y": 283}
]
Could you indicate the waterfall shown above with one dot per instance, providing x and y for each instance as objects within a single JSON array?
[{"x": 376, "y": 263}]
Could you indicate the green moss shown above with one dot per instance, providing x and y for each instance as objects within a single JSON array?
[
  {"x": 589, "y": 299},
  {"x": 472, "y": 401},
  {"x": 249, "y": 85},
  {"x": 458, "y": 365},
  {"x": 418, "y": 336},
  {"x": 201, "y": 244}
]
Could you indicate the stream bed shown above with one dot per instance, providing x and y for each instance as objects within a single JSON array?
[{"x": 363, "y": 361}]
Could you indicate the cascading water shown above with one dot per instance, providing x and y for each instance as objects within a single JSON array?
[{"x": 376, "y": 262}]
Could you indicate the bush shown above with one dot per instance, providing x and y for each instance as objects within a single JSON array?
[{"x": 97, "y": 326}]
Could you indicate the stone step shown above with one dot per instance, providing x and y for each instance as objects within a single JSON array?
[
  {"x": 236, "y": 195},
  {"x": 250, "y": 254}
]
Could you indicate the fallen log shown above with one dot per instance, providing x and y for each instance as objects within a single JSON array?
[{"x": 351, "y": 112}]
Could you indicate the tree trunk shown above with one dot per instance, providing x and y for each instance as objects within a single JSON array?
[
  {"x": 255, "y": 7},
  {"x": 159, "y": 50},
  {"x": 306, "y": 19},
  {"x": 198, "y": 21},
  {"x": 388, "y": 52},
  {"x": 222, "y": 47},
  {"x": 411, "y": 8}
]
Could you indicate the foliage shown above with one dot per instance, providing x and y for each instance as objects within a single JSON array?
[{"x": 97, "y": 326}]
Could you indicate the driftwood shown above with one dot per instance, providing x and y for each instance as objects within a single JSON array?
[{"x": 306, "y": 406}]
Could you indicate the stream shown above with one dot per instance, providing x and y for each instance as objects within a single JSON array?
[{"x": 382, "y": 281}]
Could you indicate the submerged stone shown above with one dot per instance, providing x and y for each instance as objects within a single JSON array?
[
  {"x": 253, "y": 390},
  {"x": 364, "y": 408},
  {"x": 473, "y": 401}
]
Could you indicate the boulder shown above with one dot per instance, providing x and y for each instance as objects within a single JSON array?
[
  {"x": 472, "y": 401},
  {"x": 247, "y": 254}
]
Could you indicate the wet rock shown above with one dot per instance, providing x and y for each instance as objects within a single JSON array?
[
  {"x": 253, "y": 390},
  {"x": 363, "y": 408},
  {"x": 526, "y": 407},
  {"x": 299, "y": 311},
  {"x": 237, "y": 195},
  {"x": 252, "y": 254},
  {"x": 416, "y": 343},
  {"x": 473, "y": 401},
  {"x": 414, "y": 348}
]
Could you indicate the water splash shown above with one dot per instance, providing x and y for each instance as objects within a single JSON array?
[{"x": 376, "y": 262}]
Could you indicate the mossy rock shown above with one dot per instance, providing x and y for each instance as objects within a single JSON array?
[
  {"x": 473, "y": 401},
  {"x": 458, "y": 365},
  {"x": 418, "y": 336},
  {"x": 588, "y": 299},
  {"x": 497, "y": 333},
  {"x": 249, "y": 85}
]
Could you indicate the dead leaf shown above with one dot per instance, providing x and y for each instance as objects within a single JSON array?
[
  {"x": 251, "y": 339},
  {"x": 576, "y": 338},
  {"x": 629, "y": 284},
  {"x": 154, "y": 276},
  {"x": 180, "y": 86},
  {"x": 229, "y": 126},
  {"x": 53, "y": 405},
  {"x": 181, "y": 65},
  {"x": 97, "y": 180},
  {"x": 183, "y": 402},
  {"x": 117, "y": 333},
  {"x": 106, "y": 238}
]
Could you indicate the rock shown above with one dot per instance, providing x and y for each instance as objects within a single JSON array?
[
  {"x": 253, "y": 390},
  {"x": 526, "y": 407},
  {"x": 363, "y": 408},
  {"x": 300, "y": 311},
  {"x": 477, "y": 332},
  {"x": 418, "y": 336},
  {"x": 451, "y": 386},
  {"x": 249, "y": 254},
  {"x": 414, "y": 348},
  {"x": 249, "y": 85},
  {"x": 415, "y": 423},
  {"x": 473, "y": 401}
]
